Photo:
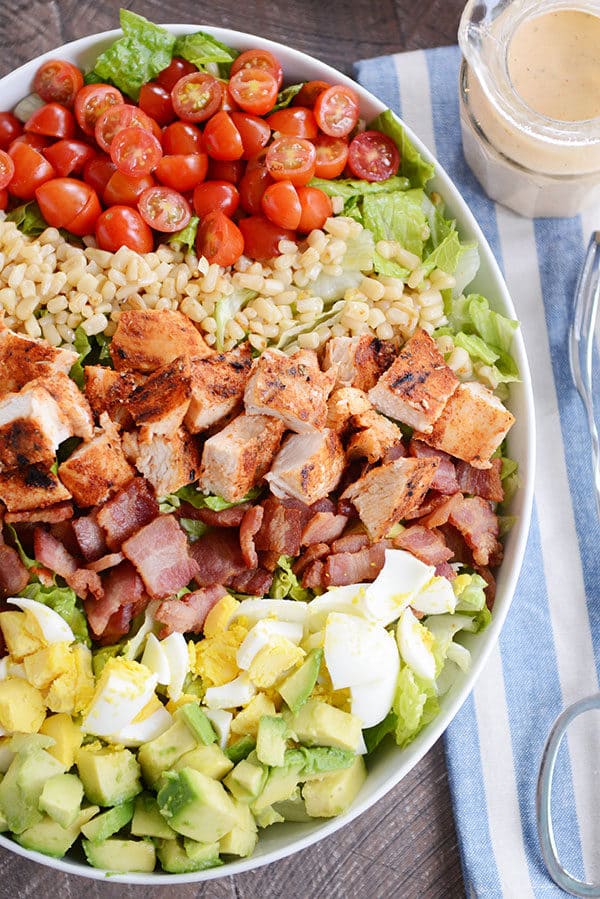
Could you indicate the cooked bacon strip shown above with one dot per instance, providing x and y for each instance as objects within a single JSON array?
[
  {"x": 475, "y": 519},
  {"x": 268, "y": 560},
  {"x": 105, "y": 562},
  {"x": 129, "y": 510},
  {"x": 350, "y": 543},
  {"x": 59, "y": 512},
  {"x": 84, "y": 583},
  {"x": 159, "y": 552},
  {"x": 45, "y": 576},
  {"x": 353, "y": 568},
  {"x": 90, "y": 537},
  {"x": 13, "y": 573},
  {"x": 313, "y": 576},
  {"x": 438, "y": 509},
  {"x": 444, "y": 480},
  {"x": 50, "y": 552},
  {"x": 123, "y": 588},
  {"x": 226, "y": 518},
  {"x": 188, "y": 614},
  {"x": 313, "y": 553},
  {"x": 424, "y": 543},
  {"x": 323, "y": 527},
  {"x": 281, "y": 528},
  {"x": 484, "y": 482},
  {"x": 254, "y": 583},
  {"x": 249, "y": 527},
  {"x": 218, "y": 556},
  {"x": 444, "y": 569}
]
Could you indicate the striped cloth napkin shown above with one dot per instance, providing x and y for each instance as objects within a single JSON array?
[{"x": 549, "y": 650}]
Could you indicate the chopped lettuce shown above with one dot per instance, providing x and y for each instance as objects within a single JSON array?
[
  {"x": 286, "y": 584},
  {"x": 104, "y": 654},
  {"x": 494, "y": 328},
  {"x": 374, "y": 735},
  {"x": 193, "y": 527},
  {"x": 185, "y": 240},
  {"x": 93, "y": 349},
  {"x": 412, "y": 164},
  {"x": 415, "y": 705},
  {"x": 397, "y": 216},
  {"x": 191, "y": 495},
  {"x": 485, "y": 334},
  {"x": 470, "y": 592},
  {"x": 64, "y": 601},
  {"x": 205, "y": 52},
  {"x": 445, "y": 256},
  {"x": 25, "y": 559},
  {"x": 354, "y": 187},
  {"x": 285, "y": 96},
  {"x": 226, "y": 308},
  {"x": 476, "y": 347},
  {"x": 28, "y": 218},
  {"x": 466, "y": 269}
]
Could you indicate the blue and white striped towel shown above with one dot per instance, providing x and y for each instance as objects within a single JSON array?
[{"x": 549, "y": 651}]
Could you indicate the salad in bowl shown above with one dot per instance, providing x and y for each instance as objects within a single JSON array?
[{"x": 255, "y": 474}]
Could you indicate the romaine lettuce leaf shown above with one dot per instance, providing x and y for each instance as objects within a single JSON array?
[
  {"x": 28, "y": 218},
  {"x": 25, "y": 559},
  {"x": 412, "y": 164},
  {"x": 374, "y": 735},
  {"x": 469, "y": 590},
  {"x": 476, "y": 347},
  {"x": 226, "y": 308},
  {"x": 351, "y": 187},
  {"x": 191, "y": 495},
  {"x": 285, "y": 97},
  {"x": 64, "y": 601},
  {"x": 286, "y": 584},
  {"x": 484, "y": 334},
  {"x": 94, "y": 349},
  {"x": 185, "y": 240},
  {"x": 415, "y": 705},
  {"x": 494, "y": 328},
  {"x": 396, "y": 216},
  {"x": 193, "y": 527},
  {"x": 445, "y": 256},
  {"x": 203, "y": 50}
]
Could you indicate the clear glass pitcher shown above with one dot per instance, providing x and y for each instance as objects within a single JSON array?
[{"x": 531, "y": 162}]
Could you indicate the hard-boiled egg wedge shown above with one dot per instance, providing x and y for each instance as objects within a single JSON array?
[
  {"x": 151, "y": 722},
  {"x": 283, "y": 609},
  {"x": 435, "y": 598},
  {"x": 134, "y": 646},
  {"x": 221, "y": 721},
  {"x": 400, "y": 579},
  {"x": 155, "y": 658},
  {"x": 235, "y": 693},
  {"x": 9, "y": 668},
  {"x": 122, "y": 691},
  {"x": 262, "y": 634},
  {"x": 372, "y": 702},
  {"x": 415, "y": 643},
  {"x": 175, "y": 649},
  {"x": 357, "y": 651},
  {"x": 337, "y": 599},
  {"x": 54, "y": 628}
]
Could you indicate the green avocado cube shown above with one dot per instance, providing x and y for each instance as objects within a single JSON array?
[
  {"x": 195, "y": 805},
  {"x": 61, "y": 798},
  {"x": 271, "y": 740},
  {"x": 293, "y": 809},
  {"x": 121, "y": 856},
  {"x": 108, "y": 823},
  {"x": 268, "y": 816},
  {"x": 210, "y": 760},
  {"x": 333, "y": 793},
  {"x": 247, "y": 779},
  {"x": 175, "y": 860},
  {"x": 320, "y": 760},
  {"x": 320, "y": 724},
  {"x": 241, "y": 749},
  {"x": 198, "y": 723},
  {"x": 160, "y": 754},
  {"x": 281, "y": 784},
  {"x": 296, "y": 688},
  {"x": 243, "y": 836},
  {"x": 22, "y": 787},
  {"x": 147, "y": 820},
  {"x": 50, "y": 837},
  {"x": 110, "y": 776}
]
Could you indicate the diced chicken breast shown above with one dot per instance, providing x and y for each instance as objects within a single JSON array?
[
  {"x": 72, "y": 403},
  {"x": 31, "y": 487},
  {"x": 158, "y": 406},
  {"x": 218, "y": 384},
  {"x": 308, "y": 466},
  {"x": 360, "y": 361},
  {"x": 415, "y": 389},
  {"x": 384, "y": 495},
  {"x": 146, "y": 339},
  {"x": 291, "y": 388},
  {"x": 343, "y": 404},
  {"x": 31, "y": 428},
  {"x": 108, "y": 391},
  {"x": 168, "y": 463},
  {"x": 374, "y": 436},
  {"x": 23, "y": 358},
  {"x": 236, "y": 458},
  {"x": 97, "y": 469},
  {"x": 472, "y": 426}
]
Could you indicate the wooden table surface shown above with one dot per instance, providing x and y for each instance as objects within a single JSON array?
[{"x": 405, "y": 846}]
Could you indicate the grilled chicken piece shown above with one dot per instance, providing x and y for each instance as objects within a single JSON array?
[
  {"x": 343, "y": 404},
  {"x": 308, "y": 466},
  {"x": 146, "y": 339},
  {"x": 108, "y": 391},
  {"x": 417, "y": 386},
  {"x": 384, "y": 495},
  {"x": 374, "y": 436},
  {"x": 23, "y": 358},
  {"x": 360, "y": 361},
  {"x": 168, "y": 463},
  {"x": 472, "y": 426},
  {"x": 218, "y": 384},
  {"x": 31, "y": 487},
  {"x": 158, "y": 406},
  {"x": 72, "y": 403},
  {"x": 236, "y": 458},
  {"x": 31, "y": 428},
  {"x": 96, "y": 469},
  {"x": 291, "y": 388}
]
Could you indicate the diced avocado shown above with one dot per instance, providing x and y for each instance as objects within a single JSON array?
[
  {"x": 293, "y": 809},
  {"x": 67, "y": 737},
  {"x": 240, "y": 749},
  {"x": 281, "y": 784},
  {"x": 147, "y": 820},
  {"x": 320, "y": 760},
  {"x": 210, "y": 760},
  {"x": 3, "y": 823},
  {"x": 7, "y": 754},
  {"x": 243, "y": 836},
  {"x": 271, "y": 740},
  {"x": 25, "y": 743},
  {"x": 268, "y": 816},
  {"x": 108, "y": 823},
  {"x": 121, "y": 856},
  {"x": 22, "y": 787},
  {"x": 204, "y": 852},
  {"x": 247, "y": 779},
  {"x": 320, "y": 724},
  {"x": 175, "y": 860},
  {"x": 197, "y": 722},
  {"x": 332, "y": 794},
  {"x": 49, "y": 837},
  {"x": 196, "y": 805},
  {"x": 161, "y": 753},
  {"x": 109, "y": 776},
  {"x": 296, "y": 688},
  {"x": 61, "y": 798}
]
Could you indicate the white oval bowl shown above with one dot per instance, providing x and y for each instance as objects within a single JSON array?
[{"x": 389, "y": 764}]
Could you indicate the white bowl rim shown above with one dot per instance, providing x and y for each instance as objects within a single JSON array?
[{"x": 410, "y": 756}]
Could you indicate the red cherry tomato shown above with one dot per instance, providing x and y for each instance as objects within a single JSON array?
[
  {"x": 10, "y": 128},
  {"x": 117, "y": 118},
  {"x": 212, "y": 195},
  {"x": 261, "y": 237},
  {"x": 254, "y": 90},
  {"x": 252, "y": 188},
  {"x": 155, "y": 101},
  {"x": 182, "y": 137},
  {"x": 52, "y": 120},
  {"x": 222, "y": 140},
  {"x": 3, "y": 199},
  {"x": 68, "y": 156},
  {"x": 332, "y": 155},
  {"x": 62, "y": 200},
  {"x": 254, "y": 131},
  {"x": 295, "y": 121},
  {"x": 316, "y": 209},
  {"x": 123, "y": 190},
  {"x": 219, "y": 239},
  {"x": 337, "y": 110},
  {"x": 259, "y": 59},
  {"x": 176, "y": 69},
  {"x": 164, "y": 209},
  {"x": 135, "y": 152},
  {"x": 37, "y": 141},
  {"x": 57, "y": 81},
  {"x": 219, "y": 170},
  {"x": 98, "y": 172},
  {"x": 196, "y": 97},
  {"x": 31, "y": 170},
  {"x": 181, "y": 171},
  {"x": 291, "y": 159},
  {"x": 91, "y": 101},
  {"x": 373, "y": 156},
  {"x": 281, "y": 205},
  {"x": 7, "y": 169},
  {"x": 228, "y": 103},
  {"x": 309, "y": 92},
  {"x": 121, "y": 226}
]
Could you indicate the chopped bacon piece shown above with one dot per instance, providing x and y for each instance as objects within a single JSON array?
[
  {"x": 127, "y": 511},
  {"x": 64, "y": 533},
  {"x": 475, "y": 519},
  {"x": 225, "y": 518},
  {"x": 13, "y": 573},
  {"x": 249, "y": 527},
  {"x": 89, "y": 537},
  {"x": 159, "y": 551},
  {"x": 188, "y": 614},
  {"x": 455, "y": 541},
  {"x": 84, "y": 583},
  {"x": 444, "y": 569},
  {"x": 219, "y": 557},
  {"x": 313, "y": 553},
  {"x": 323, "y": 505},
  {"x": 484, "y": 482},
  {"x": 440, "y": 509},
  {"x": 313, "y": 576},
  {"x": 353, "y": 568},
  {"x": 323, "y": 527},
  {"x": 268, "y": 560},
  {"x": 397, "y": 451},
  {"x": 45, "y": 576},
  {"x": 109, "y": 561},
  {"x": 59, "y": 512},
  {"x": 424, "y": 543},
  {"x": 51, "y": 553},
  {"x": 117, "y": 625},
  {"x": 444, "y": 480},
  {"x": 254, "y": 583},
  {"x": 350, "y": 543},
  {"x": 281, "y": 528},
  {"x": 123, "y": 588}
]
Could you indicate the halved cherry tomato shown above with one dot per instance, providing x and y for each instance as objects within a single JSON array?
[
  {"x": 196, "y": 97},
  {"x": 252, "y": 188},
  {"x": 261, "y": 237},
  {"x": 121, "y": 226},
  {"x": 52, "y": 120},
  {"x": 98, "y": 172},
  {"x": 62, "y": 200},
  {"x": 309, "y": 92},
  {"x": 291, "y": 159},
  {"x": 281, "y": 204},
  {"x": 115, "y": 119},
  {"x": 332, "y": 155},
  {"x": 259, "y": 59},
  {"x": 123, "y": 190},
  {"x": 7, "y": 169},
  {"x": 211, "y": 195},
  {"x": 254, "y": 131},
  {"x": 68, "y": 156},
  {"x": 182, "y": 137},
  {"x": 10, "y": 128},
  {"x": 316, "y": 209},
  {"x": 222, "y": 140},
  {"x": 91, "y": 101},
  {"x": 3, "y": 199},
  {"x": 254, "y": 90},
  {"x": 31, "y": 170},
  {"x": 135, "y": 152},
  {"x": 176, "y": 69},
  {"x": 155, "y": 101},
  {"x": 57, "y": 81},
  {"x": 228, "y": 103},
  {"x": 182, "y": 171},
  {"x": 337, "y": 110},
  {"x": 219, "y": 239},
  {"x": 373, "y": 156},
  {"x": 296, "y": 121},
  {"x": 164, "y": 209},
  {"x": 219, "y": 170},
  {"x": 37, "y": 141}
]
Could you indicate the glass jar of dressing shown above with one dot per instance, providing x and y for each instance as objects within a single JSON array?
[{"x": 530, "y": 102}]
